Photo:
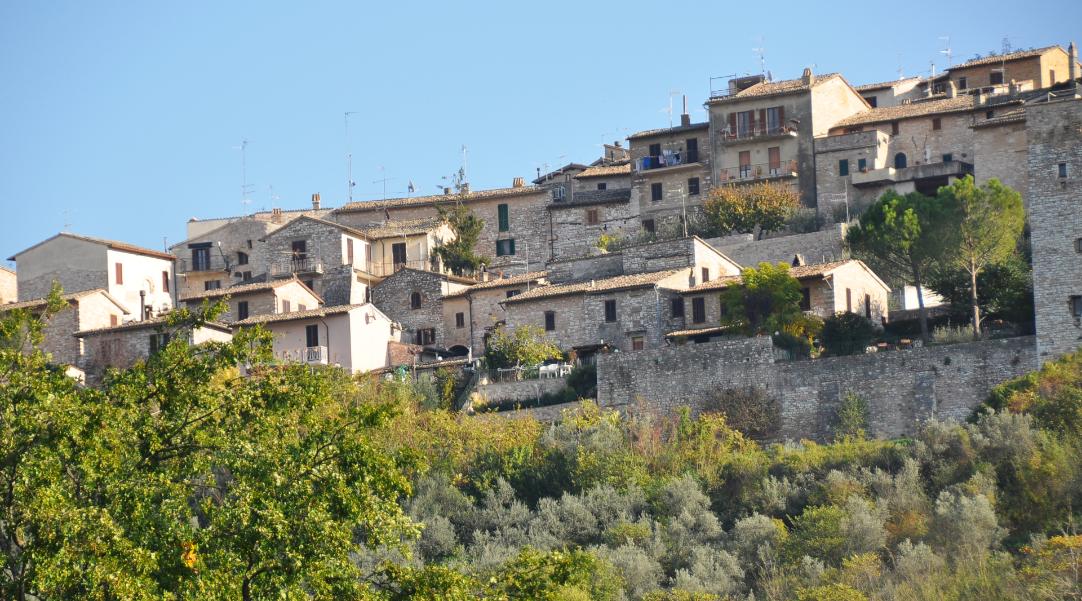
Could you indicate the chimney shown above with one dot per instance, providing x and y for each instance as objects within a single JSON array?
[
  {"x": 446, "y": 191},
  {"x": 617, "y": 144},
  {"x": 1072, "y": 63},
  {"x": 466, "y": 187},
  {"x": 685, "y": 118},
  {"x": 142, "y": 305},
  {"x": 518, "y": 182},
  {"x": 315, "y": 201},
  {"x": 808, "y": 78},
  {"x": 798, "y": 260},
  {"x": 276, "y": 215}
]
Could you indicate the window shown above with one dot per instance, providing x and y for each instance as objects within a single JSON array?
[
  {"x": 550, "y": 321},
  {"x": 648, "y": 225},
  {"x": 948, "y": 157},
  {"x": 637, "y": 343},
  {"x": 1076, "y": 307},
  {"x": 511, "y": 293},
  {"x": 805, "y": 299},
  {"x": 610, "y": 310},
  {"x": 873, "y": 101},
  {"x": 706, "y": 274},
  {"x": 692, "y": 147},
  {"x": 505, "y": 247},
  {"x": 849, "y": 300},
  {"x": 1051, "y": 76},
  {"x": 398, "y": 255},
  {"x": 426, "y": 336},
  {"x": 200, "y": 256},
  {"x": 937, "y": 123},
  {"x": 212, "y": 285},
  {"x": 962, "y": 83},
  {"x": 655, "y": 150},
  {"x": 745, "y": 163},
  {"x": 862, "y": 165},
  {"x": 900, "y": 161},
  {"x": 693, "y": 186},
  {"x": 349, "y": 251},
  {"x": 114, "y": 320},
  {"x": 989, "y": 114},
  {"x": 868, "y": 306},
  {"x": 894, "y": 128},
  {"x": 996, "y": 77},
  {"x": 311, "y": 335},
  {"x": 242, "y": 258},
  {"x": 591, "y": 217},
  {"x": 505, "y": 222},
  {"x": 1062, "y": 170},
  {"x": 774, "y": 156},
  {"x": 460, "y": 320},
  {"x": 602, "y": 186},
  {"x": 415, "y": 300},
  {"x": 745, "y": 123},
  {"x": 1078, "y": 245},
  {"x": 558, "y": 193},
  {"x": 158, "y": 342},
  {"x": 843, "y": 167},
  {"x": 242, "y": 310},
  {"x": 119, "y": 274},
  {"x": 302, "y": 307},
  {"x": 677, "y": 309},
  {"x": 774, "y": 117},
  {"x": 655, "y": 191},
  {"x": 285, "y": 306},
  {"x": 249, "y": 243},
  {"x": 698, "y": 309},
  {"x": 300, "y": 249},
  {"x": 165, "y": 281}
]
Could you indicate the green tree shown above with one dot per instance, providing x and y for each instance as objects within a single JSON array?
[
  {"x": 767, "y": 301},
  {"x": 847, "y": 333},
  {"x": 1004, "y": 289},
  {"x": 460, "y": 255},
  {"x": 765, "y": 205},
  {"x": 525, "y": 345},
  {"x": 902, "y": 237},
  {"x": 987, "y": 223}
]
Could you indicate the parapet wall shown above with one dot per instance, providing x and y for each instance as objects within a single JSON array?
[
  {"x": 816, "y": 247},
  {"x": 902, "y": 388}
]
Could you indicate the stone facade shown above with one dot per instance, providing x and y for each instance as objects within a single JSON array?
[
  {"x": 268, "y": 298},
  {"x": 395, "y": 297},
  {"x": 85, "y": 310},
  {"x": 9, "y": 285},
  {"x": 481, "y": 308},
  {"x": 891, "y": 93},
  {"x": 325, "y": 264},
  {"x": 677, "y": 192},
  {"x": 823, "y": 246},
  {"x": 903, "y": 388},
  {"x": 1027, "y": 69},
  {"x": 524, "y": 391},
  {"x": 1055, "y": 150},
  {"x": 578, "y": 225},
  {"x": 122, "y": 346},
  {"x": 227, "y": 255}
]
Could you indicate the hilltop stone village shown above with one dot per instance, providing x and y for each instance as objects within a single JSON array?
[{"x": 362, "y": 285}]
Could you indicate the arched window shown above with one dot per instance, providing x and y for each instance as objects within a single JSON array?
[
  {"x": 415, "y": 300},
  {"x": 899, "y": 161}
]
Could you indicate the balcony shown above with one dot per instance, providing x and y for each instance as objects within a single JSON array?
[
  {"x": 747, "y": 134},
  {"x": 674, "y": 159},
  {"x": 757, "y": 172},
  {"x": 188, "y": 265},
  {"x": 312, "y": 355},
  {"x": 297, "y": 265},
  {"x": 917, "y": 173}
]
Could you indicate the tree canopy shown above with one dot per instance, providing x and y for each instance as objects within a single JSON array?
[
  {"x": 767, "y": 300},
  {"x": 763, "y": 206},
  {"x": 459, "y": 255}
]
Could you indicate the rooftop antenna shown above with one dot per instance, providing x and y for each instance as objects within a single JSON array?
[
  {"x": 349, "y": 160},
  {"x": 274, "y": 198},
  {"x": 669, "y": 110},
  {"x": 1006, "y": 45},
  {"x": 245, "y": 188},
  {"x": 947, "y": 50},
  {"x": 761, "y": 53},
  {"x": 901, "y": 72},
  {"x": 383, "y": 180},
  {"x": 465, "y": 180}
]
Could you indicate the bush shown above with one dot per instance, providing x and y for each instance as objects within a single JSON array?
[
  {"x": 847, "y": 334},
  {"x": 749, "y": 410},
  {"x": 799, "y": 347},
  {"x": 852, "y": 417}
]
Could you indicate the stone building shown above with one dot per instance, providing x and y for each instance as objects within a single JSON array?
[
  {"x": 139, "y": 278},
  {"x": 471, "y": 314},
  {"x": 994, "y": 74},
  {"x": 121, "y": 346},
  {"x": 764, "y": 130},
  {"x": 671, "y": 171},
  {"x": 229, "y": 254},
  {"x": 828, "y": 288},
  {"x": 890, "y": 93},
  {"x": 258, "y": 298},
  {"x": 414, "y": 299},
  {"x": 354, "y": 337},
  {"x": 613, "y": 176},
  {"x": 516, "y": 224},
  {"x": 9, "y": 285},
  {"x": 1055, "y": 189},
  {"x": 197, "y": 228},
  {"x": 560, "y": 182},
  {"x": 578, "y": 225},
  {"x": 86, "y": 310},
  {"x": 394, "y": 245}
]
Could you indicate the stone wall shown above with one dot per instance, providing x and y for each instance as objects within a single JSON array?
[
  {"x": 1055, "y": 136},
  {"x": 573, "y": 236},
  {"x": 674, "y": 180},
  {"x": 902, "y": 388},
  {"x": 999, "y": 151},
  {"x": 526, "y": 391},
  {"x": 393, "y": 297},
  {"x": 546, "y": 414},
  {"x": 817, "y": 247},
  {"x": 586, "y": 268},
  {"x": 240, "y": 236}
]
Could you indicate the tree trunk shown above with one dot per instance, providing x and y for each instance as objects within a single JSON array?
[
  {"x": 922, "y": 313},
  {"x": 973, "y": 299}
]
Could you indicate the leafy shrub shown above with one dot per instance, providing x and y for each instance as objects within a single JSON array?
[
  {"x": 847, "y": 333},
  {"x": 749, "y": 410},
  {"x": 798, "y": 347},
  {"x": 852, "y": 417}
]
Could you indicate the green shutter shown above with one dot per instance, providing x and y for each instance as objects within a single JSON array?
[
  {"x": 511, "y": 246},
  {"x": 504, "y": 222},
  {"x": 843, "y": 167}
]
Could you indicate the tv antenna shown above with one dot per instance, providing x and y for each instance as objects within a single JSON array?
[
  {"x": 901, "y": 71},
  {"x": 465, "y": 152},
  {"x": 349, "y": 160},
  {"x": 668, "y": 110},
  {"x": 947, "y": 50},
  {"x": 245, "y": 187},
  {"x": 760, "y": 52},
  {"x": 383, "y": 180},
  {"x": 1006, "y": 48}
]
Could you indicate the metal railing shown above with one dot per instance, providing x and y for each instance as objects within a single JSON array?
[
  {"x": 760, "y": 131},
  {"x": 530, "y": 372},
  {"x": 189, "y": 265},
  {"x": 312, "y": 355},
  {"x": 671, "y": 160},
  {"x": 296, "y": 265},
  {"x": 758, "y": 171}
]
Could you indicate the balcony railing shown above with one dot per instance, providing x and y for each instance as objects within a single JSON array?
[
  {"x": 673, "y": 159},
  {"x": 297, "y": 265},
  {"x": 757, "y": 133},
  {"x": 312, "y": 355},
  {"x": 188, "y": 265},
  {"x": 758, "y": 171}
]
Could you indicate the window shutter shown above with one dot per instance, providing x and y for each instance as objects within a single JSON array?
[
  {"x": 504, "y": 222},
  {"x": 119, "y": 273},
  {"x": 732, "y": 124},
  {"x": 511, "y": 246},
  {"x": 781, "y": 116},
  {"x": 165, "y": 281},
  {"x": 751, "y": 122},
  {"x": 762, "y": 119}
]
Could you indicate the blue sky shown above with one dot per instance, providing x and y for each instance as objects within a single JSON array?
[{"x": 124, "y": 119}]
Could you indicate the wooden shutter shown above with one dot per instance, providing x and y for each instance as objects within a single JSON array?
[
  {"x": 349, "y": 251},
  {"x": 781, "y": 116},
  {"x": 751, "y": 123},
  {"x": 165, "y": 281},
  {"x": 762, "y": 119},
  {"x": 119, "y": 273}
]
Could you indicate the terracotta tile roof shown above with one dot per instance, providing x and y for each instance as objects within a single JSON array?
[
  {"x": 292, "y": 315},
  {"x": 551, "y": 174},
  {"x": 958, "y": 104},
  {"x": 775, "y": 88},
  {"x": 999, "y": 58},
  {"x": 515, "y": 280},
  {"x": 623, "y": 168},
  {"x": 594, "y": 197},
  {"x": 1018, "y": 116},
  {"x": 250, "y": 288},
  {"x": 113, "y": 244},
  {"x": 800, "y": 272},
  {"x": 668, "y": 130},
  {"x": 401, "y": 227},
  {"x": 391, "y": 203},
  {"x": 698, "y": 331},
  {"x": 7, "y": 269},
  {"x": 72, "y": 297},
  {"x": 715, "y": 284},
  {"x": 153, "y": 322},
  {"x": 612, "y": 284},
  {"x": 881, "y": 85}
]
